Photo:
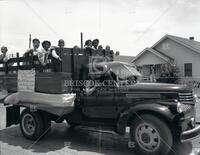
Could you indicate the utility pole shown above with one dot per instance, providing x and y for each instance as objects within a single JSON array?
[{"x": 29, "y": 41}]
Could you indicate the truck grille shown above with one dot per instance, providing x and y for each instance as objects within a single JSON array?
[{"x": 186, "y": 98}]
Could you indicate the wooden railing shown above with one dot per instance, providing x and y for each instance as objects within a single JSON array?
[
  {"x": 72, "y": 58},
  {"x": 22, "y": 63}
]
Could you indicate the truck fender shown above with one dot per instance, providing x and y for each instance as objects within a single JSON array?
[{"x": 126, "y": 115}]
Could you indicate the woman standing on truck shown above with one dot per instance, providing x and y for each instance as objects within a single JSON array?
[
  {"x": 56, "y": 56},
  {"x": 44, "y": 55}
]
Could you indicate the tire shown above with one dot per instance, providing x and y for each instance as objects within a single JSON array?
[
  {"x": 31, "y": 125},
  {"x": 47, "y": 123},
  {"x": 150, "y": 135}
]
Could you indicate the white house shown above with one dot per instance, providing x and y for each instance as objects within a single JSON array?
[
  {"x": 184, "y": 53},
  {"x": 124, "y": 58}
]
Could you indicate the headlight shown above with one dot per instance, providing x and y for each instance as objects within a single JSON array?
[
  {"x": 196, "y": 99},
  {"x": 179, "y": 108},
  {"x": 183, "y": 107}
]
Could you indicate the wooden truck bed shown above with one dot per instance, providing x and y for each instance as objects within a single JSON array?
[{"x": 73, "y": 60}]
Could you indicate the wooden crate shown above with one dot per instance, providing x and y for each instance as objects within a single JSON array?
[
  {"x": 52, "y": 82},
  {"x": 46, "y": 82}
]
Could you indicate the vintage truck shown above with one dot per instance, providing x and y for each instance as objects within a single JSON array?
[{"x": 158, "y": 114}]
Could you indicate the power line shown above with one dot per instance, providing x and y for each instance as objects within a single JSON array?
[{"x": 41, "y": 18}]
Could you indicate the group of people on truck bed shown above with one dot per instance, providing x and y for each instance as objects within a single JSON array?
[
  {"x": 95, "y": 45},
  {"x": 51, "y": 54},
  {"x": 42, "y": 56},
  {"x": 45, "y": 55}
]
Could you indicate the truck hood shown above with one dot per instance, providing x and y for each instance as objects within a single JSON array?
[{"x": 158, "y": 87}]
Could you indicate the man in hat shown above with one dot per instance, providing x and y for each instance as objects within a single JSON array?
[
  {"x": 4, "y": 56},
  {"x": 33, "y": 52},
  {"x": 88, "y": 47},
  {"x": 57, "y": 56},
  {"x": 95, "y": 43}
]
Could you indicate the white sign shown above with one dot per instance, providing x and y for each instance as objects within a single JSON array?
[{"x": 26, "y": 80}]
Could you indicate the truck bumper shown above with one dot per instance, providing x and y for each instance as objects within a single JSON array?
[{"x": 190, "y": 134}]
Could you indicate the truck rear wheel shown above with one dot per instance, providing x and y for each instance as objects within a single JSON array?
[
  {"x": 31, "y": 124},
  {"x": 150, "y": 135},
  {"x": 47, "y": 123}
]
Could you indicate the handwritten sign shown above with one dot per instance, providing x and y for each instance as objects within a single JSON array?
[{"x": 26, "y": 80}]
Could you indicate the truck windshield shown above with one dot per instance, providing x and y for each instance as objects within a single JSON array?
[{"x": 123, "y": 72}]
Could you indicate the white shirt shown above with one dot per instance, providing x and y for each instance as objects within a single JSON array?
[{"x": 43, "y": 56}]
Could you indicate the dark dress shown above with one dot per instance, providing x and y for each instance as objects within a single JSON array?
[{"x": 56, "y": 63}]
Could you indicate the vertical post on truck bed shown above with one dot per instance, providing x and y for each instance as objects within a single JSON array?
[
  {"x": 29, "y": 45},
  {"x": 81, "y": 39},
  {"x": 18, "y": 63},
  {"x": 72, "y": 63}
]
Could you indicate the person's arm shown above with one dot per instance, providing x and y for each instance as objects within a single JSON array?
[
  {"x": 1, "y": 58},
  {"x": 26, "y": 54},
  {"x": 54, "y": 54}
]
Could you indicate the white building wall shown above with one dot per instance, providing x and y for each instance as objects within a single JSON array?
[
  {"x": 149, "y": 58},
  {"x": 181, "y": 55}
]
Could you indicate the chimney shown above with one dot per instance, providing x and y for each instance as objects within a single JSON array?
[{"x": 191, "y": 38}]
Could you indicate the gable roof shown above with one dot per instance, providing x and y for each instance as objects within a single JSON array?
[
  {"x": 191, "y": 44},
  {"x": 159, "y": 54},
  {"x": 124, "y": 58}
]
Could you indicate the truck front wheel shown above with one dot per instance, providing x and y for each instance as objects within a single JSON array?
[
  {"x": 31, "y": 124},
  {"x": 150, "y": 135}
]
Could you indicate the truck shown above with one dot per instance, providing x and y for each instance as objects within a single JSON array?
[{"x": 157, "y": 114}]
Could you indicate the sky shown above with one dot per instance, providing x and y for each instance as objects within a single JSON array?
[{"x": 128, "y": 26}]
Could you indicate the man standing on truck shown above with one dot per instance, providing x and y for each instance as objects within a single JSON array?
[
  {"x": 4, "y": 56},
  {"x": 56, "y": 56},
  {"x": 95, "y": 43},
  {"x": 33, "y": 52}
]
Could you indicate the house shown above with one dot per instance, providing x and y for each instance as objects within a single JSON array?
[
  {"x": 124, "y": 58},
  {"x": 182, "y": 52}
]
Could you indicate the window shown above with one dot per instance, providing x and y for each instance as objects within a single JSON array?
[
  {"x": 165, "y": 46},
  {"x": 188, "y": 69}
]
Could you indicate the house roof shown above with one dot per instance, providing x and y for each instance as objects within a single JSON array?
[
  {"x": 191, "y": 44},
  {"x": 124, "y": 58},
  {"x": 159, "y": 54}
]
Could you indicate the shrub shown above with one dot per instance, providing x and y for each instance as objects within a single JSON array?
[{"x": 169, "y": 73}]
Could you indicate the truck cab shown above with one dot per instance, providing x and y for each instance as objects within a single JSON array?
[{"x": 157, "y": 113}]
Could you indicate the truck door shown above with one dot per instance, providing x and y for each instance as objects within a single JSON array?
[{"x": 101, "y": 103}]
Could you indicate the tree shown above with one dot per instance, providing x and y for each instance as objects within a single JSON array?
[{"x": 169, "y": 73}]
